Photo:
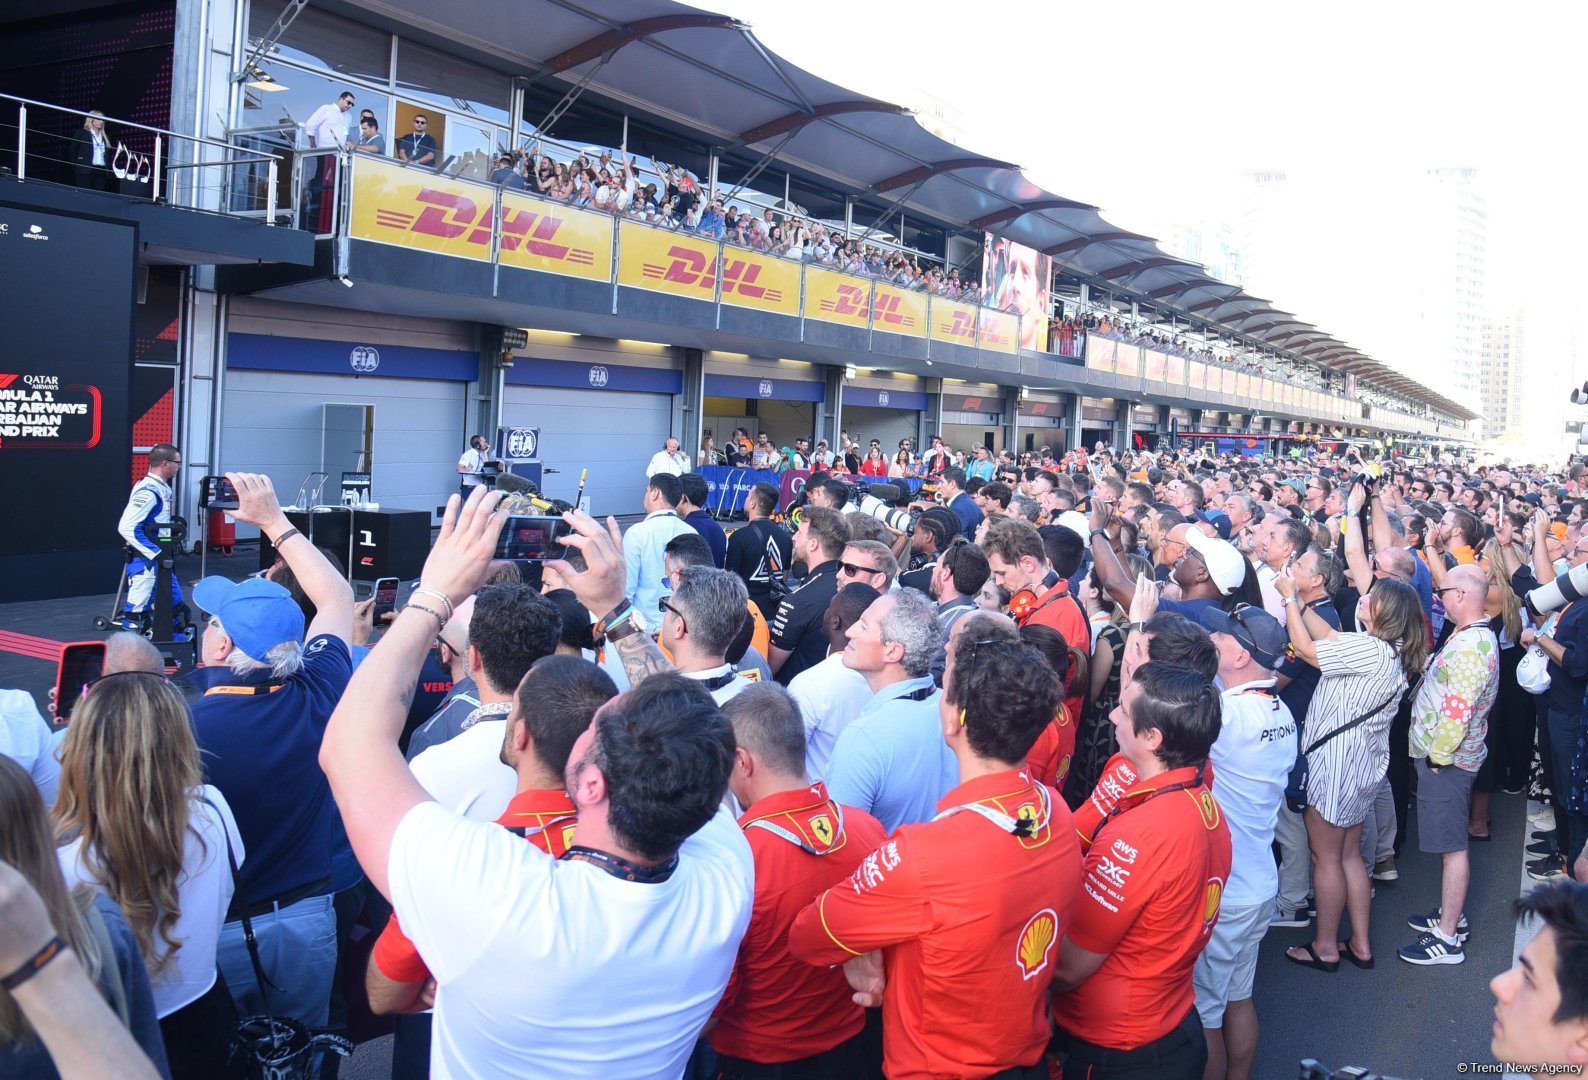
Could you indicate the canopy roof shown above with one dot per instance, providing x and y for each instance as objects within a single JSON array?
[{"x": 709, "y": 73}]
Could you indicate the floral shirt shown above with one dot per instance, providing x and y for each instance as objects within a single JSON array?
[{"x": 1450, "y": 717}]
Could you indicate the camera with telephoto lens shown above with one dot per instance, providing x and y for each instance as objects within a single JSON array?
[
  {"x": 1311, "y": 1070},
  {"x": 1572, "y": 585},
  {"x": 877, "y": 501}
]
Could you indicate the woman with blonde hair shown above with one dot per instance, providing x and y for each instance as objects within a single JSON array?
[
  {"x": 139, "y": 824},
  {"x": 88, "y": 924},
  {"x": 91, "y": 153},
  {"x": 1362, "y": 677}
]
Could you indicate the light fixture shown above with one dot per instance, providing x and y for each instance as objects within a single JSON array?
[
  {"x": 851, "y": 372},
  {"x": 260, "y": 79}
]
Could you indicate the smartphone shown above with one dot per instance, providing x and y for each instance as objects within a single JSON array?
[
  {"x": 533, "y": 536},
  {"x": 219, "y": 493},
  {"x": 385, "y": 596},
  {"x": 80, "y": 666}
]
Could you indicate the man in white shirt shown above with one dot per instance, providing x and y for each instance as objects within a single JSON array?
[
  {"x": 1251, "y": 761},
  {"x": 510, "y": 628},
  {"x": 1281, "y": 539},
  {"x": 700, "y": 621},
  {"x": 327, "y": 126},
  {"x": 645, "y": 544},
  {"x": 669, "y": 459},
  {"x": 831, "y": 694},
  {"x": 472, "y": 464},
  {"x": 655, "y": 889}
]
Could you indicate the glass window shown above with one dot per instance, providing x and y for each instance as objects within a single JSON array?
[
  {"x": 284, "y": 111},
  {"x": 323, "y": 40},
  {"x": 457, "y": 84}
]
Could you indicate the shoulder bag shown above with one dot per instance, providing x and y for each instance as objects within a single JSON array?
[{"x": 1296, "y": 786}]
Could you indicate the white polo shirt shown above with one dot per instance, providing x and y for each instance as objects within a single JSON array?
[
  {"x": 465, "y": 774},
  {"x": 830, "y": 696},
  {"x": 551, "y": 969},
  {"x": 1251, "y": 761}
]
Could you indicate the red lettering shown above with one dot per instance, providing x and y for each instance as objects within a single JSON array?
[
  {"x": 688, "y": 267},
  {"x": 852, "y": 300},
  {"x": 432, "y": 221},
  {"x": 741, "y": 276},
  {"x": 887, "y": 307}
]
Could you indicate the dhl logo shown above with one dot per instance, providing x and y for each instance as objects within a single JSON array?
[
  {"x": 962, "y": 325},
  {"x": 696, "y": 268},
  {"x": 450, "y": 215},
  {"x": 992, "y": 335},
  {"x": 855, "y": 300}
]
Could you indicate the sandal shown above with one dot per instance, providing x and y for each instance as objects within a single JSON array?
[
  {"x": 1347, "y": 954},
  {"x": 1315, "y": 960}
]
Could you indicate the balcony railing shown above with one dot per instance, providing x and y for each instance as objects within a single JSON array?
[{"x": 48, "y": 143}]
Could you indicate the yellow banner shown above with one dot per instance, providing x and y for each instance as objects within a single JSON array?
[
  {"x": 1243, "y": 384},
  {"x": 837, "y": 298},
  {"x": 1229, "y": 380},
  {"x": 555, "y": 239},
  {"x": 1127, "y": 359},
  {"x": 1196, "y": 375},
  {"x": 953, "y": 322},
  {"x": 1153, "y": 365},
  {"x": 898, "y": 311},
  {"x": 999, "y": 331},
  {"x": 756, "y": 279},
  {"x": 1099, "y": 353},
  {"x": 1174, "y": 370},
  {"x": 393, "y": 205}
]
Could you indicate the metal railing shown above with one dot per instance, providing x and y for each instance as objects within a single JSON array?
[{"x": 40, "y": 142}]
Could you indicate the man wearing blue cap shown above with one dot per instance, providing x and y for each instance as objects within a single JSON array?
[{"x": 267, "y": 695}]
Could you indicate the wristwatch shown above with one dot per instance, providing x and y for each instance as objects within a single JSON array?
[{"x": 1100, "y": 532}]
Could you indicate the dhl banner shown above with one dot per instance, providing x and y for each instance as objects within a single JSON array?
[
  {"x": 1174, "y": 370},
  {"x": 1153, "y": 365},
  {"x": 1196, "y": 375},
  {"x": 837, "y": 298},
  {"x": 1127, "y": 359},
  {"x": 664, "y": 261},
  {"x": 555, "y": 239},
  {"x": 898, "y": 311},
  {"x": 1243, "y": 384},
  {"x": 393, "y": 205},
  {"x": 1229, "y": 380},
  {"x": 1099, "y": 353},
  {"x": 953, "y": 322},
  {"x": 999, "y": 330}
]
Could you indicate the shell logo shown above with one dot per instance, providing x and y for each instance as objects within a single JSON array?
[
  {"x": 1210, "y": 901},
  {"x": 1036, "y": 943}
]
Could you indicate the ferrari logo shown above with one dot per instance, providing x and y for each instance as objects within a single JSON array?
[
  {"x": 822, "y": 829},
  {"x": 567, "y": 835},
  {"x": 1027, "y": 812},
  {"x": 1036, "y": 943},
  {"x": 1209, "y": 808}
]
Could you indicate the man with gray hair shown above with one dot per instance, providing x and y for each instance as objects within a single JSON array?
[
  {"x": 700, "y": 621},
  {"x": 891, "y": 761}
]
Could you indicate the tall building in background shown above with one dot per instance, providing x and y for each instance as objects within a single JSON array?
[
  {"x": 1451, "y": 234},
  {"x": 1502, "y": 376},
  {"x": 1209, "y": 241},
  {"x": 1263, "y": 237}
]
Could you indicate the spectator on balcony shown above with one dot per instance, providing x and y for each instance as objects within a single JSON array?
[
  {"x": 370, "y": 140},
  {"x": 712, "y": 222},
  {"x": 546, "y": 173},
  {"x": 505, "y": 175},
  {"x": 417, "y": 147},
  {"x": 91, "y": 154}
]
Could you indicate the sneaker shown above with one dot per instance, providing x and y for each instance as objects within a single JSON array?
[
  {"x": 1431, "y": 949},
  {"x": 1540, "y": 848},
  {"x": 1429, "y": 923},
  {"x": 1542, "y": 818},
  {"x": 1286, "y": 917},
  {"x": 1542, "y": 834},
  {"x": 1384, "y": 869},
  {"x": 1549, "y": 868}
]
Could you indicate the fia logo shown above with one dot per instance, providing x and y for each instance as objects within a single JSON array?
[
  {"x": 765, "y": 389},
  {"x": 364, "y": 359},
  {"x": 522, "y": 443},
  {"x": 599, "y": 376},
  {"x": 882, "y": 399}
]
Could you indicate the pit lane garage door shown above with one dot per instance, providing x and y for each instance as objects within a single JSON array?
[{"x": 613, "y": 433}]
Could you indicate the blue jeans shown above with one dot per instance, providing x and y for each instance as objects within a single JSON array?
[
  {"x": 1563, "y": 729},
  {"x": 297, "y": 948}
]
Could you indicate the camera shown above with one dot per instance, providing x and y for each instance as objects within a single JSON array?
[
  {"x": 876, "y": 500},
  {"x": 1311, "y": 1070},
  {"x": 532, "y": 536},
  {"x": 1566, "y": 587}
]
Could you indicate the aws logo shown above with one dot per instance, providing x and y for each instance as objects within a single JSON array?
[
  {"x": 448, "y": 215},
  {"x": 962, "y": 325},
  {"x": 697, "y": 269},
  {"x": 1034, "y": 947}
]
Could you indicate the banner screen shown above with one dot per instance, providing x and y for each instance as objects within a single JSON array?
[{"x": 1019, "y": 279}]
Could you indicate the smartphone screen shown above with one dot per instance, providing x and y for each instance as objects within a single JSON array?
[
  {"x": 80, "y": 666},
  {"x": 532, "y": 537},
  {"x": 219, "y": 493},
  {"x": 385, "y": 596}
]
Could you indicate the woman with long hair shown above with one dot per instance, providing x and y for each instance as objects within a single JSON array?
[
  {"x": 1095, "y": 740},
  {"x": 902, "y": 465},
  {"x": 1511, "y": 719},
  {"x": 875, "y": 464},
  {"x": 89, "y": 924},
  {"x": 1362, "y": 677},
  {"x": 139, "y": 824}
]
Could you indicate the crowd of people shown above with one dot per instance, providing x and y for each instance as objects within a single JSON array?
[{"x": 985, "y": 785}]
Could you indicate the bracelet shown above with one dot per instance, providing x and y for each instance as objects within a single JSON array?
[
  {"x": 441, "y": 620},
  {"x": 612, "y": 618},
  {"x": 1286, "y": 601},
  {"x": 288, "y": 535},
  {"x": 34, "y": 964},
  {"x": 439, "y": 596}
]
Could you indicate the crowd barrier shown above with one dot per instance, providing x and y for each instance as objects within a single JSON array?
[{"x": 727, "y": 486}]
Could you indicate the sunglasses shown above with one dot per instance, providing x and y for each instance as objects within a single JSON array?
[{"x": 855, "y": 570}]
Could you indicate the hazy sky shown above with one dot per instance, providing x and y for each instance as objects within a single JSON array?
[{"x": 1153, "y": 110}]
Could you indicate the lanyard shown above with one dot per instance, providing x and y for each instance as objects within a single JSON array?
[
  {"x": 798, "y": 841},
  {"x": 621, "y": 868},
  {"x": 1016, "y": 826},
  {"x": 1183, "y": 785}
]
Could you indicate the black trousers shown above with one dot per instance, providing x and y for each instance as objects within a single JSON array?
[
  {"x": 854, "y": 1058},
  {"x": 199, "y": 1034},
  {"x": 1400, "y": 768},
  {"x": 1180, "y": 1055}
]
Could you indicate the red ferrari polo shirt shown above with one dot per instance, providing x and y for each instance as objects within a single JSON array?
[
  {"x": 968, "y": 910},
  {"x": 777, "y": 1007},
  {"x": 1150, "y": 895},
  {"x": 546, "y": 819},
  {"x": 1050, "y": 756},
  {"x": 1060, "y": 611}
]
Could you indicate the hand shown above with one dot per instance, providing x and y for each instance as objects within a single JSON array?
[
  {"x": 461, "y": 559},
  {"x": 1101, "y": 514},
  {"x": 1355, "y": 500},
  {"x": 427, "y": 994},
  {"x": 601, "y": 587},
  {"x": 866, "y": 975},
  {"x": 1529, "y": 635},
  {"x": 364, "y": 621},
  {"x": 1434, "y": 540},
  {"x": 24, "y": 923},
  {"x": 1540, "y": 521},
  {"x": 1144, "y": 604},
  {"x": 256, "y": 500},
  {"x": 1285, "y": 584},
  {"x": 1503, "y": 533}
]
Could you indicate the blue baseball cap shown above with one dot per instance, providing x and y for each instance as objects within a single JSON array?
[
  {"x": 1259, "y": 633},
  {"x": 258, "y": 614}
]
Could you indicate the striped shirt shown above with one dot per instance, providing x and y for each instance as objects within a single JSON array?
[{"x": 1356, "y": 673}]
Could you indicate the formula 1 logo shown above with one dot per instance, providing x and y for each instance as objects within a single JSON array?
[
  {"x": 448, "y": 215},
  {"x": 962, "y": 325},
  {"x": 699, "y": 270}
]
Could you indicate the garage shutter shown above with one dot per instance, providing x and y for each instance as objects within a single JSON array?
[
  {"x": 613, "y": 433},
  {"x": 273, "y": 426}
]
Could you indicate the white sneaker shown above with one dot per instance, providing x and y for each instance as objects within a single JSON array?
[{"x": 1541, "y": 817}]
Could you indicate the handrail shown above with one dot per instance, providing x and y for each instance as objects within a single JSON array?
[{"x": 125, "y": 123}]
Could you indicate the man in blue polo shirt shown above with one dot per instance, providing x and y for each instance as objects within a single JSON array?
[{"x": 267, "y": 695}]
